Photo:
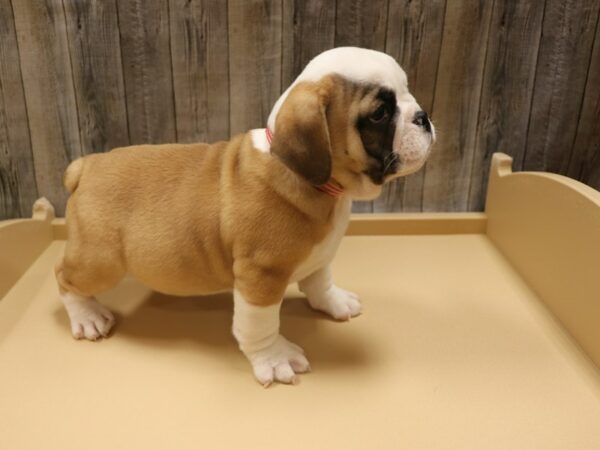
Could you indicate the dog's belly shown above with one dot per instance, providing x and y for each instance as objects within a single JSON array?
[
  {"x": 189, "y": 270},
  {"x": 183, "y": 278},
  {"x": 322, "y": 254},
  {"x": 178, "y": 284}
]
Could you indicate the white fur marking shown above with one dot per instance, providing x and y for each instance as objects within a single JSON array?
[
  {"x": 272, "y": 356},
  {"x": 323, "y": 253},
  {"x": 89, "y": 319},
  {"x": 259, "y": 140},
  {"x": 255, "y": 327},
  {"x": 324, "y": 296}
]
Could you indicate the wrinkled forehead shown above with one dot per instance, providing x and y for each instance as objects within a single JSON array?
[{"x": 358, "y": 65}]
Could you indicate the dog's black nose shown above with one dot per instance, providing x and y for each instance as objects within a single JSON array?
[{"x": 421, "y": 119}]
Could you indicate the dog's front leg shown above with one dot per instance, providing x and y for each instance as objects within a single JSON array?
[
  {"x": 256, "y": 329},
  {"x": 325, "y": 296}
]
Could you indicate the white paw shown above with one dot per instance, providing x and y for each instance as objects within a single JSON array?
[
  {"x": 280, "y": 361},
  {"x": 89, "y": 319},
  {"x": 338, "y": 303}
]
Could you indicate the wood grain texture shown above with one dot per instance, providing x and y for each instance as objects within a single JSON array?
[
  {"x": 94, "y": 44},
  {"x": 199, "y": 48},
  {"x": 456, "y": 105},
  {"x": 414, "y": 39},
  {"x": 361, "y": 23},
  {"x": 18, "y": 188},
  {"x": 308, "y": 29},
  {"x": 507, "y": 89},
  {"x": 146, "y": 55},
  {"x": 49, "y": 93},
  {"x": 254, "y": 61},
  {"x": 80, "y": 76},
  {"x": 564, "y": 55},
  {"x": 585, "y": 159}
]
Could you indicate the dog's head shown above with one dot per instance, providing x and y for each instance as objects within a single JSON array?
[{"x": 349, "y": 116}]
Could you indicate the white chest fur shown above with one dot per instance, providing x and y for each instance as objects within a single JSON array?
[{"x": 323, "y": 253}]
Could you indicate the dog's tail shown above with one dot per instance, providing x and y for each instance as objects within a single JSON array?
[{"x": 73, "y": 174}]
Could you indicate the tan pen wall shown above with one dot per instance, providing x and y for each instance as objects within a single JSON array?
[{"x": 548, "y": 227}]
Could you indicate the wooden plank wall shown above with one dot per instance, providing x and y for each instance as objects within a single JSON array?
[{"x": 86, "y": 76}]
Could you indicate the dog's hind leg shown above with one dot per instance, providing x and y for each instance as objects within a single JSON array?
[
  {"x": 89, "y": 319},
  {"x": 85, "y": 271},
  {"x": 77, "y": 286}
]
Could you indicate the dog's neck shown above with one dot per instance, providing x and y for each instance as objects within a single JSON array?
[{"x": 332, "y": 187}]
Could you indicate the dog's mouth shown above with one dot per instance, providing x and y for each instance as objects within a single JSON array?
[
  {"x": 391, "y": 163},
  {"x": 380, "y": 169},
  {"x": 391, "y": 166},
  {"x": 400, "y": 167}
]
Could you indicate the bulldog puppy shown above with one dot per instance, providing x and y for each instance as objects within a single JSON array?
[{"x": 250, "y": 215}]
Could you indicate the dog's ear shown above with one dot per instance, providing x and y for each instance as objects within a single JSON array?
[{"x": 301, "y": 137}]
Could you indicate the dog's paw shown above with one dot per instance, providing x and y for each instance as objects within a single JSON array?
[
  {"x": 338, "y": 303},
  {"x": 89, "y": 319},
  {"x": 281, "y": 361}
]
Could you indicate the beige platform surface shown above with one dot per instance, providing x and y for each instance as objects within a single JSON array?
[{"x": 453, "y": 351}]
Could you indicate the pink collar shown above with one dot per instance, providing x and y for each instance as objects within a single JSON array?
[
  {"x": 269, "y": 134},
  {"x": 332, "y": 187}
]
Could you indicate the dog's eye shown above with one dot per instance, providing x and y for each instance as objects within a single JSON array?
[{"x": 379, "y": 115}]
